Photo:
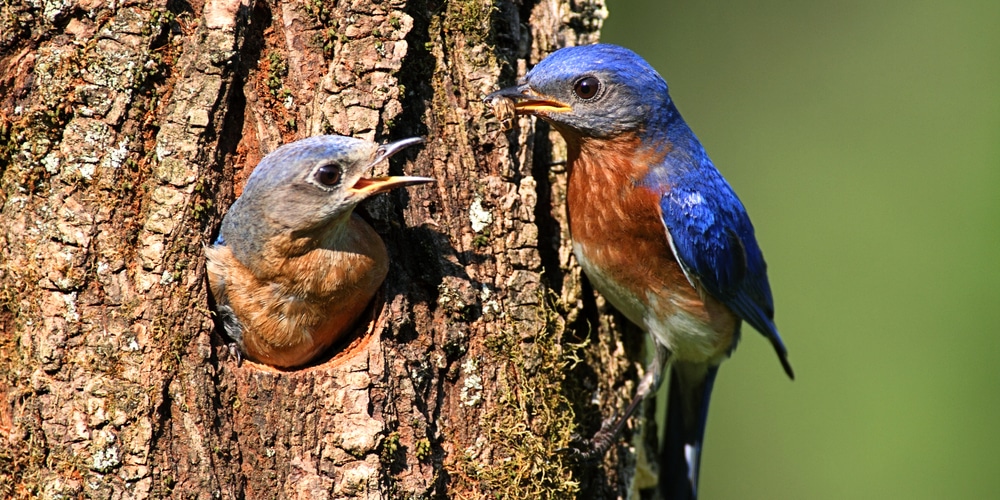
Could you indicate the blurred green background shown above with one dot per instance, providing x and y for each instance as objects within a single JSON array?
[{"x": 864, "y": 139}]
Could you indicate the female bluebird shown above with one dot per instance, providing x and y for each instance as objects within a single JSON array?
[
  {"x": 294, "y": 266},
  {"x": 657, "y": 230}
]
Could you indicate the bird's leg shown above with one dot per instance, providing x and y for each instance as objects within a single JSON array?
[
  {"x": 234, "y": 330},
  {"x": 234, "y": 352},
  {"x": 602, "y": 441}
]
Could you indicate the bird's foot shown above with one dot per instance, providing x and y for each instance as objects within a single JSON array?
[
  {"x": 582, "y": 450},
  {"x": 234, "y": 352}
]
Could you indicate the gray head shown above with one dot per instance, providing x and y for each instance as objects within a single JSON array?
[
  {"x": 308, "y": 189},
  {"x": 593, "y": 90}
]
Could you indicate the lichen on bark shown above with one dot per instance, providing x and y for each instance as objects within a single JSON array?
[{"x": 125, "y": 132}]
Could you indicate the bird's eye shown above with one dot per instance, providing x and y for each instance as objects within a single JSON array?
[
  {"x": 328, "y": 175},
  {"x": 586, "y": 88}
]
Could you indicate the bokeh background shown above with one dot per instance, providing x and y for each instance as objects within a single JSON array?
[{"x": 864, "y": 138}]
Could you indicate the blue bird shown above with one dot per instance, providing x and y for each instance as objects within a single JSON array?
[
  {"x": 656, "y": 229},
  {"x": 294, "y": 266}
]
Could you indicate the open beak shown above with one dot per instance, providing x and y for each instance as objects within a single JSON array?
[
  {"x": 525, "y": 102},
  {"x": 375, "y": 185},
  {"x": 386, "y": 151},
  {"x": 371, "y": 186}
]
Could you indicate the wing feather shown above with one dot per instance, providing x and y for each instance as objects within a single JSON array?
[{"x": 713, "y": 240}]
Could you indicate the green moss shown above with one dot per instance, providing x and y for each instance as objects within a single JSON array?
[
  {"x": 159, "y": 20},
  {"x": 481, "y": 240},
  {"x": 177, "y": 344},
  {"x": 167, "y": 483},
  {"x": 318, "y": 9},
  {"x": 277, "y": 71},
  {"x": 473, "y": 18},
  {"x": 326, "y": 37},
  {"x": 423, "y": 449},
  {"x": 532, "y": 420},
  {"x": 200, "y": 208},
  {"x": 390, "y": 446}
]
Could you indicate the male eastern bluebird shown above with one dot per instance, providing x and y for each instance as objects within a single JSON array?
[
  {"x": 294, "y": 266},
  {"x": 657, "y": 230}
]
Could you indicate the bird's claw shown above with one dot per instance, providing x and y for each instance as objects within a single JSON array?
[
  {"x": 234, "y": 352},
  {"x": 575, "y": 455},
  {"x": 581, "y": 450}
]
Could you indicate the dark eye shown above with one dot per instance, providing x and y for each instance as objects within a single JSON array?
[
  {"x": 328, "y": 175},
  {"x": 586, "y": 87}
]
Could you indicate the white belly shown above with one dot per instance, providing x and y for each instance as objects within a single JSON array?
[{"x": 685, "y": 335}]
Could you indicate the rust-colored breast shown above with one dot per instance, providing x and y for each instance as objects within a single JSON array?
[
  {"x": 294, "y": 308},
  {"x": 617, "y": 228}
]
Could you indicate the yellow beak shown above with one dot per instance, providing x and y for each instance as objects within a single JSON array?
[{"x": 368, "y": 187}]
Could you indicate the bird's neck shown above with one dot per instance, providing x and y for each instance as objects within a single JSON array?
[
  {"x": 664, "y": 122},
  {"x": 685, "y": 155},
  {"x": 269, "y": 255},
  {"x": 607, "y": 184},
  {"x": 618, "y": 161},
  {"x": 664, "y": 139},
  {"x": 329, "y": 234}
]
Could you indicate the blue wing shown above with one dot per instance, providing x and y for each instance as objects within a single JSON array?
[{"x": 714, "y": 242}]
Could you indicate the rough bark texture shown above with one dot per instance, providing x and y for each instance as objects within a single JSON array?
[{"x": 127, "y": 129}]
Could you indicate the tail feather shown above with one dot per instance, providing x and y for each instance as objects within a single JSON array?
[{"x": 687, "y": 414}]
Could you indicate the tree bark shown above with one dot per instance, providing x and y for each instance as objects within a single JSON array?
[{"x": 125, "y": 132}]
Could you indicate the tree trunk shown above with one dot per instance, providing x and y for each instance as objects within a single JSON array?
[{"x": 126, "y": 130}]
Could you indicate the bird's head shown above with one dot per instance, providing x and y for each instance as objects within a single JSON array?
[
  {"x": 594, "y": 90},
  {"x": 309, "y": 188}
]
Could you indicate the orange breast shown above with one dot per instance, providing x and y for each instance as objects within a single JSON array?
[
  {"x": 294, "y": 308},
  {"x": 618, "y": 232}
]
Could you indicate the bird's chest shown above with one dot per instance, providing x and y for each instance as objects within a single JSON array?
[
  {"x": 621, "y": 243},
  {"x": 291, "y": 305},
  {"x": 355, "y": 264},
  {"x": 619, "y": 238}
]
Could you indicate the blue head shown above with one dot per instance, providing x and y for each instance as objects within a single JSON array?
[
  {"x": 594, "y": 90},
  {"x": 306, "y": 189}
]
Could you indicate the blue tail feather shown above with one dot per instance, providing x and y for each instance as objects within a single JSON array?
[{"x": 687, "y": 414}]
